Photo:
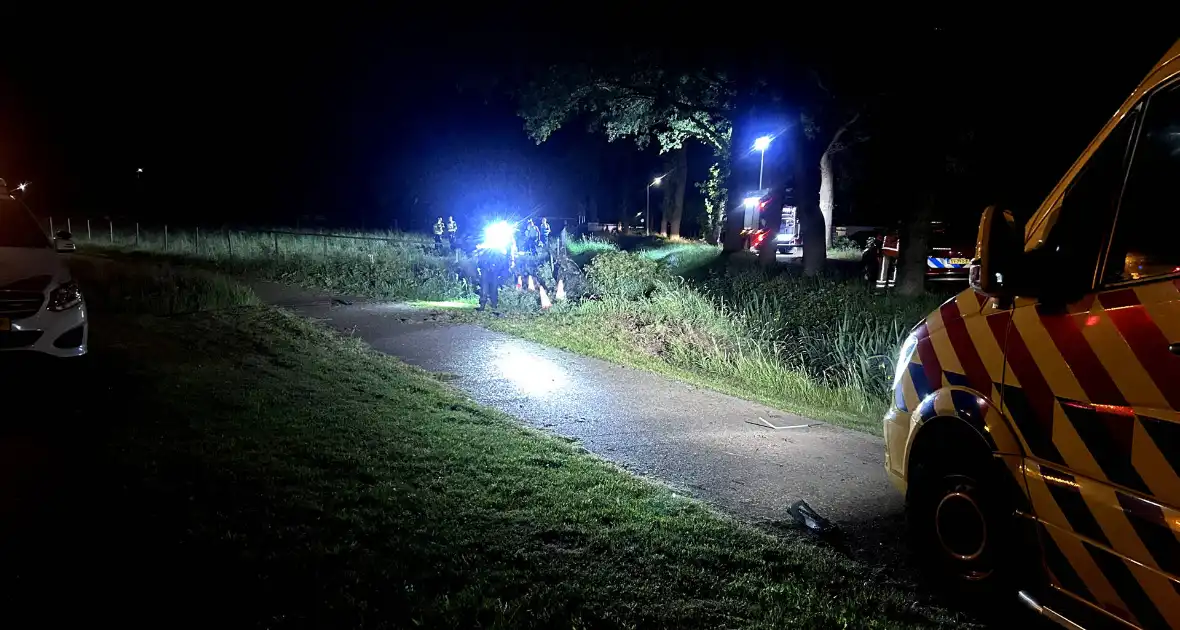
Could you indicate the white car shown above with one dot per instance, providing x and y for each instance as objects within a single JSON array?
[{"x": 41, "y": 307}]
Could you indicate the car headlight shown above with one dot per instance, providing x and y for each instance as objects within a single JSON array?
[
  {"x": 903, "y": 357},
  {"x": 65, "y": 297}
]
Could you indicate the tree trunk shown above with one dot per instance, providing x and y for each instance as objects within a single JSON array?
[
  {"x": 807, "y": 211},
  {"x": 915, "y": 244},
  {"x": 733, "y": 220},
  {"x": 826, "y": 194},
  {"x": 733, "y": 214},
  {"x": 677, "y": 188},
  {"x": 827, "y": 180},
  {"x": 672, "y": 191}
]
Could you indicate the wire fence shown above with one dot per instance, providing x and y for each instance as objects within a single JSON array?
[{"x": 227, "y": 241}]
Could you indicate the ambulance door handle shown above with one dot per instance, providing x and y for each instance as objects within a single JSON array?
[{"x": 1175, "y": 348}]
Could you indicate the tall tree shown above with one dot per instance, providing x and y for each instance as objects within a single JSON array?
[
  {"x": 674, "y": 185},
  {"x": 928, "y": 117},
  {"x": 722, "y": 102}
]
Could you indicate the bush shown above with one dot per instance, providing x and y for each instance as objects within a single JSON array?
[
  {"x": 624, "y": 275},
  {"x": 844, "y": 248}
]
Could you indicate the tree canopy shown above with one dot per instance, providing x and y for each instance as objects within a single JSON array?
[{"x": 643, "y": 102}]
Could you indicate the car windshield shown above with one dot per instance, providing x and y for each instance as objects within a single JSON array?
[{"x": 18, "y": 228}]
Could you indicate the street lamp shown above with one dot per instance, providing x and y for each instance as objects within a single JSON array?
[
  {"x": 761, "y": 144},
  {"x": 647, "y": 218}
]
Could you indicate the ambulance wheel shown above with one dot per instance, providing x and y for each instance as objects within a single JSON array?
[{"x": 961, "y": 524}]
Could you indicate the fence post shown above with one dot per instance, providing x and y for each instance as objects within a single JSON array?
[
  {"x": 50, "y": 226},
  {"x": 137, "y": 234},
  {"x": 88, "y": 230},
  {"x": 276, "y": 235},
  {"x": 69, "y": 226},
  {"x": 229, "y": 244},
  {"x": 112, "y": 226},
  {"x": 197, "y": 241},
  {"x": 325, "y": 244},
  {"x": 165, "y": 237}
]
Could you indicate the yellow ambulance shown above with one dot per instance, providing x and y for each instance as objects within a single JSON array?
[{"x": 1035, "y": 426}]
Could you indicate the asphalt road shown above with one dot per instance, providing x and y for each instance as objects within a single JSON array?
[{"x": 705, "y": 444}]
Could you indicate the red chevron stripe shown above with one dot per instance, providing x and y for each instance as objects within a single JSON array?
[
  {"x": 929, "y": 358},
  {"x": 1036, "y": 388},
  {"x": 1146, "y": 340},
  {"x": 964, "y": 347},
  {"x": 1082, "y": 360}
]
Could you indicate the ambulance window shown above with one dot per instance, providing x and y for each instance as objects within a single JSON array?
[
  {"x": 1071, "y": 253},
  {"x": 1145, "y": 238}
]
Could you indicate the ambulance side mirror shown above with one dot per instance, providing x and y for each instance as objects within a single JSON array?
[{"x": 997, "y": 252}]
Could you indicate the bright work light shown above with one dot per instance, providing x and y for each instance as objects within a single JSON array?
[{"x": 497, "y": 235}]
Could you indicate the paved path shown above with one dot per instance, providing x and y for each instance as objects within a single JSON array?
[{"x": 706, "y": 444}]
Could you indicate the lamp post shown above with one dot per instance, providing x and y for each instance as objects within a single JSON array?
[
  {"x": 761, "y": 144},
  {"x": 647, "y": 216}
]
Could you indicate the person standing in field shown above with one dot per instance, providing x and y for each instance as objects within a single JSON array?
[
  {"x": 545, "y": 231},
  {"x": 452, "y": 230},
  {"x": 438, "y": 232},
  {"x": 531, "y": 236}
]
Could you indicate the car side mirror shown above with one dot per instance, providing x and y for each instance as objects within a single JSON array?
[{"x": 997, "y": 250}]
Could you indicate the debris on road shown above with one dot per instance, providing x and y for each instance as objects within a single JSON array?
[
  {"x": 809, "y": 518},
  {"x": 764, "y": 422}
]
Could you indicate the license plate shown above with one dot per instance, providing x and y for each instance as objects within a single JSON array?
[
  {"x": 960, "y": 261},
  {"x": 5, "y": 324}
]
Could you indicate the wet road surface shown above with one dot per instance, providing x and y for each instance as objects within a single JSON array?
[{"x": 705, "y": 444}]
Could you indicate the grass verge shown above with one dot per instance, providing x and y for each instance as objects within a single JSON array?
[
  {"x": 263, "y": 471},
  {"x": 653, "y": 339},
  {"x": 385, "y": 265}
]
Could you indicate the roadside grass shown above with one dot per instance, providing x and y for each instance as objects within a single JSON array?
[
  {"x": 156, "y": 288},
  {"x": 266, "y": 471},
  {"x": 820, "y": 347},
  {"x": 583, "y": 250},
  {"x": 684, "y": 257},
  {"x": 387, "y": 265},
  {"x": 650, "y": 337}
]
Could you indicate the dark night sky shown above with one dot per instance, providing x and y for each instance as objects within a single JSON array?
[{"x": 358, "y": 115}]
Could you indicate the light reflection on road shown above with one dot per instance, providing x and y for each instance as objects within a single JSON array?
[{"x": 530, "y": 373}]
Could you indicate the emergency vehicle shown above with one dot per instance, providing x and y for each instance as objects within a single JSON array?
[
  {"x": 948, "y": 259},
  {"x": 788, "y": 239},
  {"x": 1035, "y": 426}
]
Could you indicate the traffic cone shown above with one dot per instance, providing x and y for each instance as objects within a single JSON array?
[
  {"x": 518, "y": 281},
  {"x": 545, "y": 303},
  {"x": 560, "y": 294},
  {"x": 532, "y": 285}
]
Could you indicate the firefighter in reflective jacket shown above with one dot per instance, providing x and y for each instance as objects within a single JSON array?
[
  {"x": 438, "y": 231},
  {"x": 452, "y": 230}
]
